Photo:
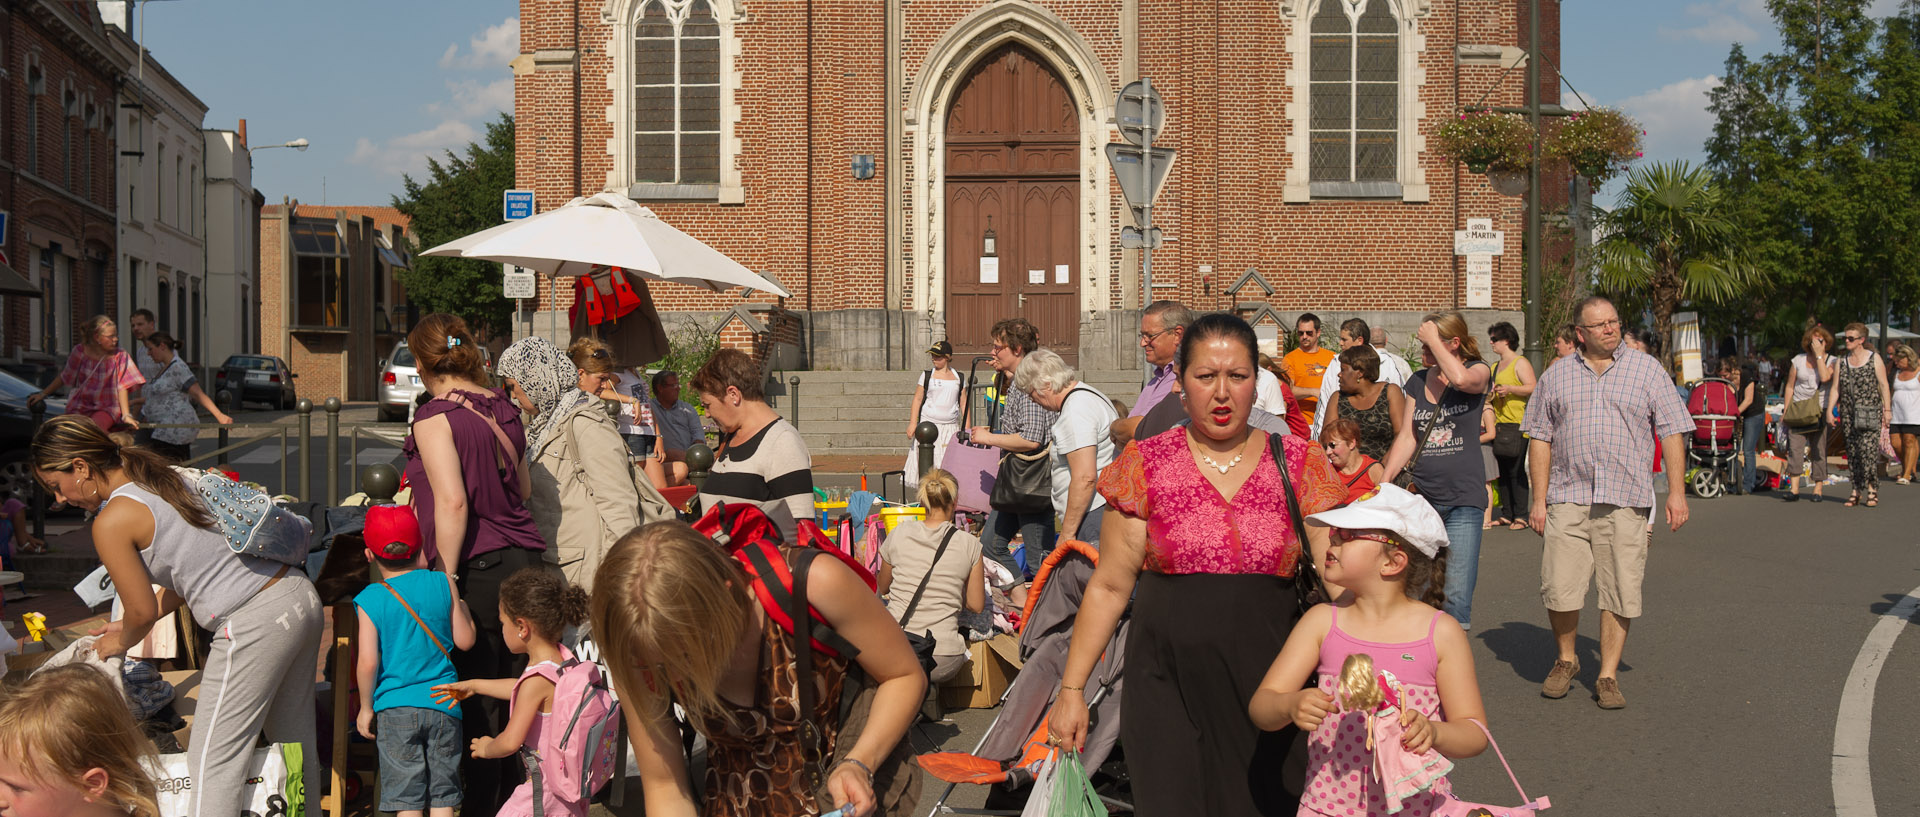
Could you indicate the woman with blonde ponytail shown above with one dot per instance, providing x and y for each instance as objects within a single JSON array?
[
  {"x": 69, "y": 748},
  {"x": 149, "y": 529}
]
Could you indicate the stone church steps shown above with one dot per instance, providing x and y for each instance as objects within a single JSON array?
[{"x": 864, "y": 413}]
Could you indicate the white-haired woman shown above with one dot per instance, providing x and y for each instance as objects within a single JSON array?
[{"x": 1082, "y": 445}]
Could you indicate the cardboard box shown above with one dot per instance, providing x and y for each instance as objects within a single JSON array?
[{"x": 995, "y": 664}]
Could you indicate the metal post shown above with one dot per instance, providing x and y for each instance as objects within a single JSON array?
[
  {"x": 39, "y": 496},
  {"x": 926, "y": 433},
  {"x": 699, "y": 461},
  {"x": 793, "y": 387},
  {"x": 1535, "y": 347},
  {"x": 305, "y": 410},
  {"x": 222, "y": 462},
  {"x": 1146, "y": 184},
  {"x": 382, "y": 482},
  {"x": 333, "y": 450}
]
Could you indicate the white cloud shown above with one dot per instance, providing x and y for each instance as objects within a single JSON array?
[
  {"x": 1721, "y": 22},
  {"x": 492, "y": 48},
  {"x": 470, "y": 98},
  {"x": 1675, "y": 117},
  {"x": 408, "y": 153}
]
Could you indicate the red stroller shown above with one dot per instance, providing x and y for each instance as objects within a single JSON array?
[{"x": 1713, "y": 449}]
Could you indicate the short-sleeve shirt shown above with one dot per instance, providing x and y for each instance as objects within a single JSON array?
[
  {"x": 1306, "y": 368},
  {"x": 1159, "y": 385},
  {"x": 1085, "y": 419},
  {"x": 910, "y": 548},
  {"x": 410, "y": 664},
  {"x": 167, "y": 402},
  {"x": 143, "y": 360},
  {"x": 1451, "y": 471},
  {"x": 629, "y": 418},
  {"x": 680, "y": 424},
  {"x": 1602, "y": 427},
  {"x": 497, "y": 517},
  {"x": 1192, "y": 529},
  {"x": 1024, "y": 417},
  {"x": 771, "y": 466},
  {"x": 94, "y": 385}
]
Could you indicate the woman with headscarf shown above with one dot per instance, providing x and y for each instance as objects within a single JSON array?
[{"x": 584, "y": 497}]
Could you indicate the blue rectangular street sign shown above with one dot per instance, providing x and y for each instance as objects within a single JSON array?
[
  {"x": 518, "y": 204},
  {"x": 3, "y": 228}
]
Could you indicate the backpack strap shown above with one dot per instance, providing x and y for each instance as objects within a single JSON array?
[
  {"x": 503, "y": 457},
  {"x": 810, "y": 746},
  {"x": 417, "y": 620},
  {"x": 779, "y": 599}
]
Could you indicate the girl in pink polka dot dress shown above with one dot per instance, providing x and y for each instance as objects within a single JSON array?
[{"x": 1387, "y": 554}]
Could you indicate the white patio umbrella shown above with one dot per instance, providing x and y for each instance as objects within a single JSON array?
[
  {"x": 607, "y": 230},
  {"x": 1873, "y": 333}
]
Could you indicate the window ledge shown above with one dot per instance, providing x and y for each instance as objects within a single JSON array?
[
  {"x": 1357, "y": 190},
  {"x": 651, "y": 191},
  {"x": 325, "y": 330}
]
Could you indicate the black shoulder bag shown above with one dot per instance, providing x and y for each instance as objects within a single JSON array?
[
  {"x": 1308, "y": 590},
  {"x": 923, "y": 643},
  {"x": 1024, "y": 483}
]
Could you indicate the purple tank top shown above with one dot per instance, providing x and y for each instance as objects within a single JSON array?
[{"x": 495, "y": 520}]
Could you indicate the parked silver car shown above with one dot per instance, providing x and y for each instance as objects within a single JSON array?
[{"x": 399, "y": 384}]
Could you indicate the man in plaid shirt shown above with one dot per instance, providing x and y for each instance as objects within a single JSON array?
[
  {"x": 1022, "y": 428},
  {"x": 1592, "y": 423}
]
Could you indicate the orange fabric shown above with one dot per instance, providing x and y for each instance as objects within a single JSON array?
[
  {"x": 1307, "y": 369},
  {"x": 1320, "y": 487},
  {"x": 1040, "y": 577},
  {"x": 1123, "y": 483}
]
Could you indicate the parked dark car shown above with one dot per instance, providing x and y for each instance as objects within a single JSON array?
[
  {"x": 16, "y": 434},
  {"x": 260, "y": 379}
]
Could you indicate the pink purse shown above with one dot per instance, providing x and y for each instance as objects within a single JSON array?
[{"x": 1459, "y": 808}]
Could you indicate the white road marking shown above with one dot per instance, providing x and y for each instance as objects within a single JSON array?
[
  {"x": 1853, "y": 728},
  {"x": 376, "y": 456}
]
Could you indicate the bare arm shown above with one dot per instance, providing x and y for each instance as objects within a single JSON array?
[
  {"x": 58, "y": 381},
  {"x": 1886, "y": 394},
  {"x": 534, "y": 694},
  {"x": 118, "y": 533},
  {"x": 1540, "y": 465},
  {"x": 1468, "y": 379},
  {"x": 1083, "y": 470},
  {"x": 1793, "y": 375},
  {"x": 1459, "y": 691},
  {"x": 857, "y": 614},
  {"x": 126, "y": 408},
  {"x": 1005, "y": 442},
  {"x": 434, "y": 437},
  {"x": 366, "y": 669},
  {"x": 463, "y": 629},
  {"x": 1523, "y": 368},
  {"x": 1122, "y": 430},
  {"x": 883, "y": 580},
  {"x": 1403, "y": 444},
  {"x": 913, "y": 415},
  {"x": 665, "y": 789},
  {"x": 200, "y": 397},
  {"x": 1397, "y": 409},
  {"x": 977, "y": 587},
  {"x": 1746, "y": 398},
  {"x": 1123, "y": 540}
]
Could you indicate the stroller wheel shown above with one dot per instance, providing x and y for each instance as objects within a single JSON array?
[{"x": 1707, "y": 484}]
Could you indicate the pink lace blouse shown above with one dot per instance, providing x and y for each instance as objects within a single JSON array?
[{"x": 1192, "y": 529}]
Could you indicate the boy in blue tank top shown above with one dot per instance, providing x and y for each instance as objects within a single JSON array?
[{"x": 410, "y": 619}]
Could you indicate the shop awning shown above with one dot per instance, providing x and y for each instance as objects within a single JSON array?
[{"x": 11, "y": 283}]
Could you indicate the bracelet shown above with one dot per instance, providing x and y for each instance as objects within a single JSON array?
[
  {"x": 863, "y": 768},
  {"x": 1064, "y": 687}
]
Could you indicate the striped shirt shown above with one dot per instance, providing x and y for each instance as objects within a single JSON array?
[
  {"x": 1602, "y": 427},
  {"x": 771, "y": 466}
]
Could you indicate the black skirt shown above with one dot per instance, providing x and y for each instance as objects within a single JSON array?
[{"x": 1198, "y": 648}]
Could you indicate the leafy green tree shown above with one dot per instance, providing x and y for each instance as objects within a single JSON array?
[
  {"x": 1670, "y": 240},
  {"x": 461, "y": 196}
]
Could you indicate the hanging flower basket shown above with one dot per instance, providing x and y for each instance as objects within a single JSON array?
[
  {"x": 1486, "y": 141},
  {"x": 1597, "y": 143},
  {"x": 1508, "y": 182}
]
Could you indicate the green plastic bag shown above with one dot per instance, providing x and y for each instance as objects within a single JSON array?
[{"x": 1072, "y": 792}]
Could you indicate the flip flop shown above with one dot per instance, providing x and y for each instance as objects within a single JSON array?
[{"x": 1517, "y": 525}]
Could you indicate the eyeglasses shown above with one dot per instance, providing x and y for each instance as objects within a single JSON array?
[
  {"x": 997, "y": 348},
  {"x": 1146, "y": 337},
  {"x": 1350, "y": 535},
  {"x": 1606, "y": 324}
]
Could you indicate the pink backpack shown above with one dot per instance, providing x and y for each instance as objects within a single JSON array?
[{"x": 584, "y": 732}]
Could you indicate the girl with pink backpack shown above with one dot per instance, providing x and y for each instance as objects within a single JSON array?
[{"x": 563, "y": 723}]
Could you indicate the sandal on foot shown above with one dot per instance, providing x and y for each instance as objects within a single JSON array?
[
  {"x": 1853, "y": 499},
  {"x": 1518, "y": 525},
  {"x": 1873, "y": 498}
]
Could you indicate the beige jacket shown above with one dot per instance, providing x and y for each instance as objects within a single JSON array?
[{"x": 583, "y": 501}]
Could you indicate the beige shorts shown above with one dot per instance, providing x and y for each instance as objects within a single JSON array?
[{"x": 1605, "y": 544}]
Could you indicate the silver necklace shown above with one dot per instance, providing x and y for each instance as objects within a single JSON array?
[{"x": 1224, "y": 468}]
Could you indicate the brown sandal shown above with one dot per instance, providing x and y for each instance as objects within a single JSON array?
[{"x": 1853, "y": 499}]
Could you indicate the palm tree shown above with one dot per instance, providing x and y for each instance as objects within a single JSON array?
[{"x": 1672, "y": 239}]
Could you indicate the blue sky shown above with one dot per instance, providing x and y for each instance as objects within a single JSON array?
[{"x": 377, "y": 85}]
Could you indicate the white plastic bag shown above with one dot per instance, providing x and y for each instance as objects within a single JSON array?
[
  {"x": 274, "y": 784},
  {"x": 1040, "y": 795}
]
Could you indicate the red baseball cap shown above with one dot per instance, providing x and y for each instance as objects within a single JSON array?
[{"x": 392, "y": 532}]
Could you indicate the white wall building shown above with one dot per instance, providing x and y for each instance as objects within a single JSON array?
[
  {"x": 233, "y": 238},
  {"x": 162, "y": 204}
]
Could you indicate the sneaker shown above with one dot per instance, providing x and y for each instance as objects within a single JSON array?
[
  {"x": 1560, "y": 679},
  {"x": 1607, "y": 691}
]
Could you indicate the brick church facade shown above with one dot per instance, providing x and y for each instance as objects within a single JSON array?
[{"x": 861, "y": 154}]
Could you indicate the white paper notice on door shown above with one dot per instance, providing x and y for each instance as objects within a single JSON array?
[
  {"x": 1060, "y": 273},
  {"x": 989, "y": 269},
  {"x": 1036, "y": 276}
]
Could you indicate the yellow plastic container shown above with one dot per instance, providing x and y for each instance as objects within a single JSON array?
[
  {"x": 893, "y": 515},
  {"x": 826, "y": 511}
]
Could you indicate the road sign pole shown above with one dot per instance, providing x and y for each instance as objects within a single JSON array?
[{"x": 1146, "y": 183}]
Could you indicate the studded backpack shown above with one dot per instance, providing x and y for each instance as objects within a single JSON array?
[{"x": 252, "y": 524}]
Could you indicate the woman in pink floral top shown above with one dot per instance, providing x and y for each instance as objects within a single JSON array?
[
  {"x": 1199, "y": 538},
  {"x": 98, "y": 375}
]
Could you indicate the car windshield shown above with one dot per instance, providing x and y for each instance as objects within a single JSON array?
[
  {"x": 13, "y": 388},
  {"x": 403, "y": 357},
  {"x": 257, "y": 364}
]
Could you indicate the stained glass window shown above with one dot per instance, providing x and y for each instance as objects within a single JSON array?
[{"x": 676, "y": 92}]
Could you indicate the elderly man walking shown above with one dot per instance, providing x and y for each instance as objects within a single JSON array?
[{"x": 1592, "y": 426}]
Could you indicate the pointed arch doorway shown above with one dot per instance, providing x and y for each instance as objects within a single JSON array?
[{"x": 1013, "y": 168}]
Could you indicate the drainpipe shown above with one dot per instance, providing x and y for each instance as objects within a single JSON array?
[
  {"x": 578, "y": 183},
  {"x": 889, "y": 156},
  {"x": 811, "y": 317}
]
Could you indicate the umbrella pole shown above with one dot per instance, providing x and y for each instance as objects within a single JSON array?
[{"x": 553, "y": 303}]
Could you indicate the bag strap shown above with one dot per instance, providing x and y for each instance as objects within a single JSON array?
[
  {"x": 1275, "y": 447},
  {"x": 926, "y": 385},
  {"x": 503, "y": 457},
  {"x": 416, "y": 619},
  {"x": 1503, "y": 760},
  {"x": 797, "y": 606},
  {"x": 922, "y": 589},
  {"x": 1420, "y": 441}
]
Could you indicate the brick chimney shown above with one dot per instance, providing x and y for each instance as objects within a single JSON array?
[{"x": 243, "y": 133}]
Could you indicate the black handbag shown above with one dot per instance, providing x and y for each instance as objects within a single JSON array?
[
  {"x": 1508, "y": 442},
  {"x": 923, "y": 643},
  {"x": 1308, "y": 590}
]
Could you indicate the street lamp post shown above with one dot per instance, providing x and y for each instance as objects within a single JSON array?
[{"x": 297, "y": 144}]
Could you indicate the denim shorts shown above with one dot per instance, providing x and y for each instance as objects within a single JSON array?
[
  {"x": 420, "y": 752},
  {"x": 641, "y": 445}
]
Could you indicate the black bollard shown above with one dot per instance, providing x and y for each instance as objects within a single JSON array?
[
  {"x": 699, "y": 461},
  {"x": 382, "y": 483},
  {"x": 333, "y": 450},
  {"x": 305, "y": 409},
  {"x": 926, "y": 433},
  {"x": 793, "y": 386}
]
